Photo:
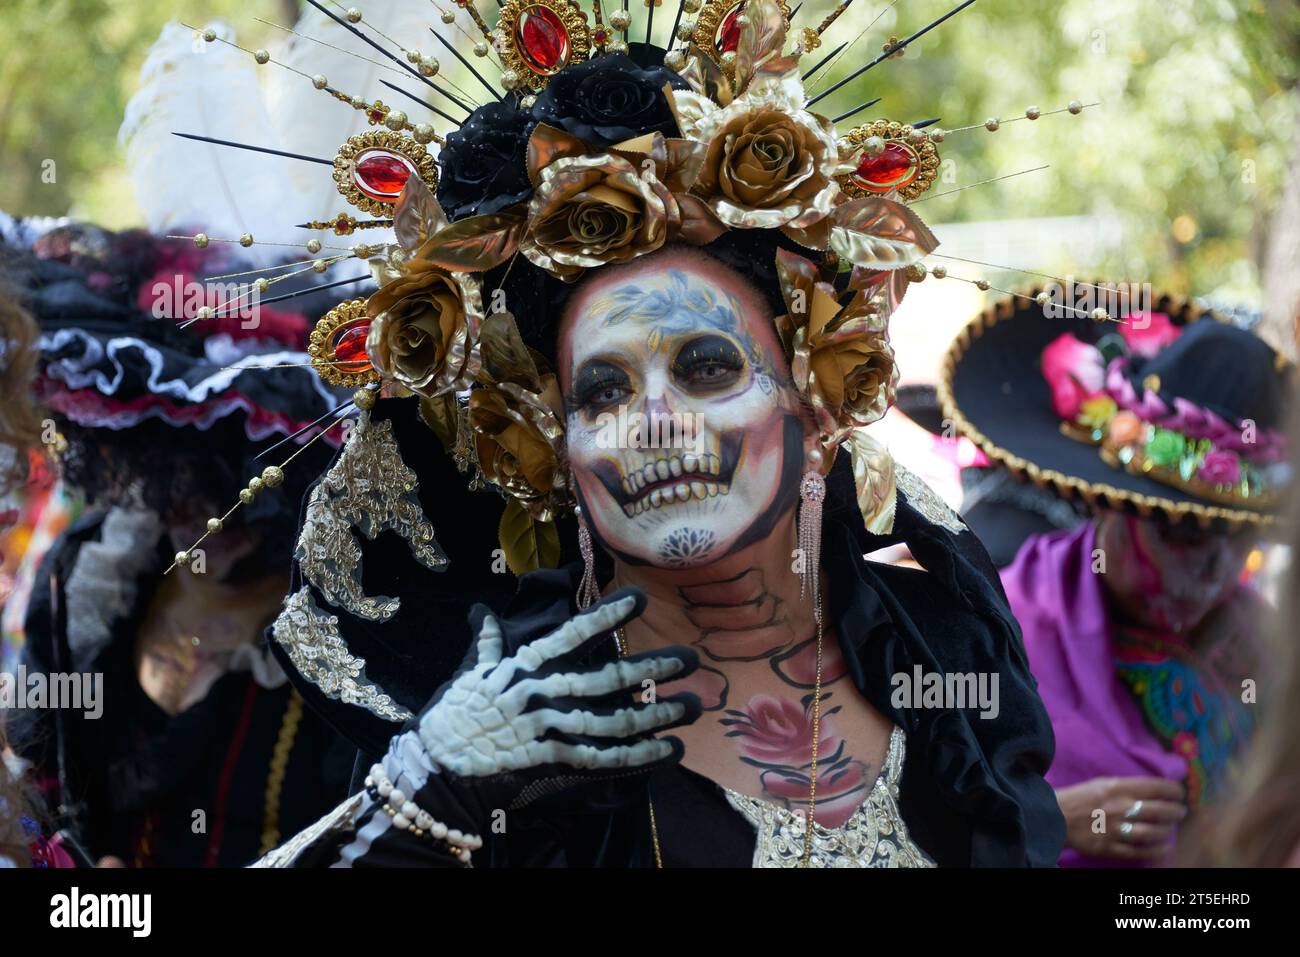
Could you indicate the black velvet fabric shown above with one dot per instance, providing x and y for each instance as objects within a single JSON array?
[
  {"x": 998, "y": 386},
  {"x": 972, "y": 791},
  {"x": 420, "y": 647}
]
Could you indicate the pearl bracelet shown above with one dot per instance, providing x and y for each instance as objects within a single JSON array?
[{"x": 408, "y": 816}]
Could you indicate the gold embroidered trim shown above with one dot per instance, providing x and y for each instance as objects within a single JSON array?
[
  {"x": 875, "y": 836},
  {"x": 279, "y": 764},
  {"x": 1067, "y": 486},
  {"x": 311, "y": 638},
  {"x": 339, "y": 819},
  {"x": 926, "y": 500},
  {"x": 371, "y": 489}
]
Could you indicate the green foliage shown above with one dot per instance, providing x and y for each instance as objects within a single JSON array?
[
  {"x": 1197, "y": 113},
  {"x": 67, "y": 69}
]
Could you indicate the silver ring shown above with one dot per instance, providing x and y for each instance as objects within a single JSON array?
[
  {"x": 1132, "y": 813},
  {"x": 1125, "y": 829}
]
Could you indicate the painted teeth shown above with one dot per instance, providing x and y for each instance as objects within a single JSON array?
[
  {"x": 685, "y": 467},
  {"x": 698, "y": 489}
]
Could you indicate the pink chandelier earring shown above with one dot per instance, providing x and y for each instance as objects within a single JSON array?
[
  {"x": 588, "y": 589},
  {"x": 812, "y": 493}
]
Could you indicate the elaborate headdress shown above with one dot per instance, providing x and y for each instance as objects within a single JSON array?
[
  {"x": 599, "y": 151},
  {"x": 590, "y": 151}
]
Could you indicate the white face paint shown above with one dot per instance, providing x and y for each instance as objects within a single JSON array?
[{"x": 682, "y": 430}]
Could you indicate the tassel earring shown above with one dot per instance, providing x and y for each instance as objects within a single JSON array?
[
  {"x": 588, "y": 590},
  {"x": 812, "y": 493}
]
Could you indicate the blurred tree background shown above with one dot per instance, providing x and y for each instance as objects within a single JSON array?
[{"x": 1188, "y": 154}]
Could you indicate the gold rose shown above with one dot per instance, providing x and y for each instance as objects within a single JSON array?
[
  {"x": 425, "y": 328},
  {"x": 840, "y": 358}
]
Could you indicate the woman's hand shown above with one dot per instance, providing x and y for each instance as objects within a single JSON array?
[
  {"x": 1140, "y": 815},
  {"x": 509, "y": 729}
]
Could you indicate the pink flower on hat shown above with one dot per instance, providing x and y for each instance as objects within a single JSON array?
[
  {"x": 1220, "y": 468},
  {"x": 1146, "y": 333},
  {"x": 1075, "y": 371}
]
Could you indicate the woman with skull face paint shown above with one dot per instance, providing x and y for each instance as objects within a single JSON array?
[
  {"x": 647, "y": 306},
  {"x": 563, "y": 747},
  {"x": 1138, "y": 628}
]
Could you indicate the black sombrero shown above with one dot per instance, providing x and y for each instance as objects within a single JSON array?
[{"x": 1159, "y": 438}]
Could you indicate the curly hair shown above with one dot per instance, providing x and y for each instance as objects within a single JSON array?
[{"x": 20, "y": 418}]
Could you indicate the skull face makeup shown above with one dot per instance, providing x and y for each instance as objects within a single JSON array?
[{"x": 684, "y": 432}]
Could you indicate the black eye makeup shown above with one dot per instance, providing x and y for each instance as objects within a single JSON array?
[
  {"x": 599, "y": 385},
  {"x": 707, "y": 363}
]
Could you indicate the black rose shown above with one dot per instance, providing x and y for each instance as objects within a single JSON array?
[
  {"x": 608, "y": 100},
  {"x": 483, "y": 163}
]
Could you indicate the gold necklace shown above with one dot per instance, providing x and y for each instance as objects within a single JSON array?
[{"x": 620, "y": 636}]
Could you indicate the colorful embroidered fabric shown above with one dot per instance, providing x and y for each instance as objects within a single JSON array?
[{"x": 1203, "y": 723}]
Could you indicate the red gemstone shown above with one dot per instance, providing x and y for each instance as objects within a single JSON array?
[
  {"x": 343, "y": 226},
  {"x": 542, "y": 39},
  {"x": 727, "y": 37},
  {"x": 894, "y": 167},
  {"x": 382, "y": 175},
  {"x": 599, "y": 37},
  {"x": 350, "y": 349}
]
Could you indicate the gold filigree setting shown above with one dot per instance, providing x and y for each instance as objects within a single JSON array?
[
  {"x": 338, "y": 322},
  {"x": 357, "y": 149},
  {"x": 919, "y": 177},
  {"x": 708, "y": 25},
  {"x": 528, "y": 71}
]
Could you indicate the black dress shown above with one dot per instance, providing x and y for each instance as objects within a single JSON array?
[
  {"x": 972, "y": 791},
  {"x": 215, "y": 785}
]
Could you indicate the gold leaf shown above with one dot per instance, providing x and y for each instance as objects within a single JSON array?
[
  {"x": 505, "y": 357},
  {"x": 417, "y": 215},
  {"x": 873, "y": 475},
  {"x": 474, "y": 244},
  {"x": 761, "y": 38},
  {"x": 528, "y": 544},
  {"x": 440, "y": 415},
  {"x": 879, "y": 233},
  {"x": 546, "y": 145}
]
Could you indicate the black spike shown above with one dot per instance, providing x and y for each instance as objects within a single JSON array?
[
  {"x": 290, "y": 438},
  {"x": 650, "y": 22},
  {"x": 255, "y": 149},
  {"x": 456, "y": 53},
  {"x": 924, "y": 123},
  {"x": 894, "y": 48},
  {"x": 856, "y": 109},
  {"x": 795, "y": 12},
  {"x": 428, "y": 106},
  {"x": 361, "y": 36},
  {"x": 672, "y": 37},
  {"x": 824, "y": 60}
]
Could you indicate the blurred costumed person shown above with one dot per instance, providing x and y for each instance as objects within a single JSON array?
[
  {"x": 1258, "y": 822},
  {"x": 188, "y": 747},
  {"x": 614, "y": 253},
  {"x": 1144, "y": 639},
  {"x": 23, "y": 840}
]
